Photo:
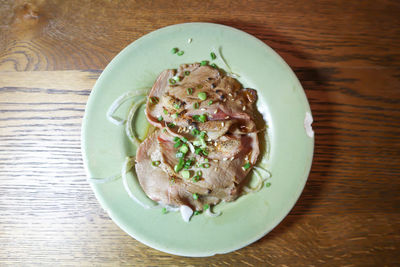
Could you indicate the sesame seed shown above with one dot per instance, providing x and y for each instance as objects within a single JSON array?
[
  {"x": 191, "y": 127},
  {"x": 215, "y": 160},
  {"x": 215, "y": 143},
  {"x": 230, "y": 94},
  {"x": 247, "y": 157},
  {"x": 243, "y": 169},
  {"x": 189, "y": 40},
  {"x": 202, "y": 109},
  {"x": 224, "y": 100},
  {"x": 227, "y": 117},
  {"x": 225, "y": 159},
  {"x": 231, "y": 158},
  {"x": 215, "y": 112},
  {"x": 244, "y": 108},
  {"x": 215, "y": 169},
  {"x": 222, "y": 124},
  {"x": 209, "y": 139}
]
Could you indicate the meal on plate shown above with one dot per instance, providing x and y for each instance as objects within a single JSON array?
[{"x": 204, "y": 141}]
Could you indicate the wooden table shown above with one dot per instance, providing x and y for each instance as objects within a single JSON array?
[{"x": 345, "y": 53}]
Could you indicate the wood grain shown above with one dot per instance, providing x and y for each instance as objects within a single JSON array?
[{"x": 346, "y": 55}]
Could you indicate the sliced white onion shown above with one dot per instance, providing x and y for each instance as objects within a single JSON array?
[
  {"x": 212, "y": 214},
  {"x": 128, "y": 164},
  {"x": 308, "y": 120},
  {"x": 104, "y": 180},
  {"x": 128, "y": 126},
  {"x": 119, "y": 101},
  {"x": 267, "y": 174},
  {"x": 186, "y": 213}
]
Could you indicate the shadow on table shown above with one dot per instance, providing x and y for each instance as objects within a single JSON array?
[{"x": 315, "y": 82}]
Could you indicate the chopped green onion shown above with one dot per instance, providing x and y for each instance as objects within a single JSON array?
[
  {"x": 246, "y": 166},
  {"x": 189, "y": 91},
  {"x": 187, "y": 73},
  {"x": 174, "y": 50},
  {"x": 210, "y": 102},
  {"x": 202, "y": 95},
  {"x": 267, "y": 184},
  {"x": 199, "y": 173},
  {"x": 206, "y": 206},
  {"x": 172, "y": 81},
  {"x": 196, "y": 105},
  {"x": 153, "y": 100},
  {"x": 160, "y": 118},
  {"x": 185, "y": 174},
  {"x": 213, "y": 56},
  {"x": 176, "y": 139},
  {"x": 165, "y": 112},
  {"x": 203, "y": 134},
  {"x": 196, "y": 143},
  {"x": 198, "y": 151},
  {"x": 171, "y": 125},
  {"x": 164, "y": 130},
  {"x": 184, "y": 149},
  {"x": 178, "y": 78},
  {"x": 203, "y": 118},
  {"x": 179, "y": 166},
  {"x": 214, "y": 65},
  {"x": 206, "y": 165},
  {"x": 204, "y": 63},
  {"x": 195, "y": 132},
  {"x": 205, "y": 152},
  {"x": 205, "y": 160},
  {"x": 188, "y": 163},
  {"x": 195, "y": 196},
  {"x": 177, "y": 105},
  {"x": 178, "y": 144},
  {"x": 196, "y": 212},
  {"x": 164, "y": 210},
  {"x": 175, "y": 116},
  {"x": 179, "y": 155},
  {"x": 155, "y": 163},
  {"x": 195, "y": 179},
  {"x": 184, "y": 139},
  {"x": 180, "y": 53}
]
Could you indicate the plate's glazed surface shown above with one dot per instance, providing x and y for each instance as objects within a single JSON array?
[{"x": 281, "y": 100}]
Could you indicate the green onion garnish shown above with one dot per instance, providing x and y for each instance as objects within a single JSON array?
[
  {"x": 206, "y": 165},
  {"x": 196, "y": 105},
  {"x": 156, "y": 163},
  {"x": 204, "y": 63},
  {"x": 206, "y": 206},
  {"x": 185, "y": 174},
  {"x": 267, "y": 184},
  {"x": 164, "y": 210},
  {"x": 170, "y": 125},
  {"x": 160, "y": 118},
  {"x": 210, "y": 102},
  {"x": 165, "y": 112},
  {"x": 198, "y": 151},
  {"x": 184, "y": 149},
  {"x": 202, "y": 96},
  {"x": 203, "y": 118},
  {"x": 172, "y": 81},
  {"x": 199, "y": 173},
  {"x": 177, "y": 105},
  {"x": 178, "y": 144},
  {"x": 153, "y": 100},
  {"x": 196, "y": 212},
  {"x": 184, "y": 139},
  {"x": 179, "y": 155},
  {"x": 189, "y": 91},
  {"x": 205, "y": 152},
  {"x": 214, "y": 65},
  {"x": 174, "y": 50},
  {"x": 180, "y": 53},
  {"x": 195, "y": 196},
  {"x": 195, "y": 132},
  {"x": 213, "y": 56},
  {"x": 187, "y": 73},
  {"x": 195, "y": 179},
  {"x": 175, "y": 116},
  {"x": 176, "y": 139},
  {"x": 179, "y": 166},
  {"x": 164, "y": 130},
  {"x": 246, "y": 166}
]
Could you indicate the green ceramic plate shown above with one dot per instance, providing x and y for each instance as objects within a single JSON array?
[{"x": 288, "y": 155}]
